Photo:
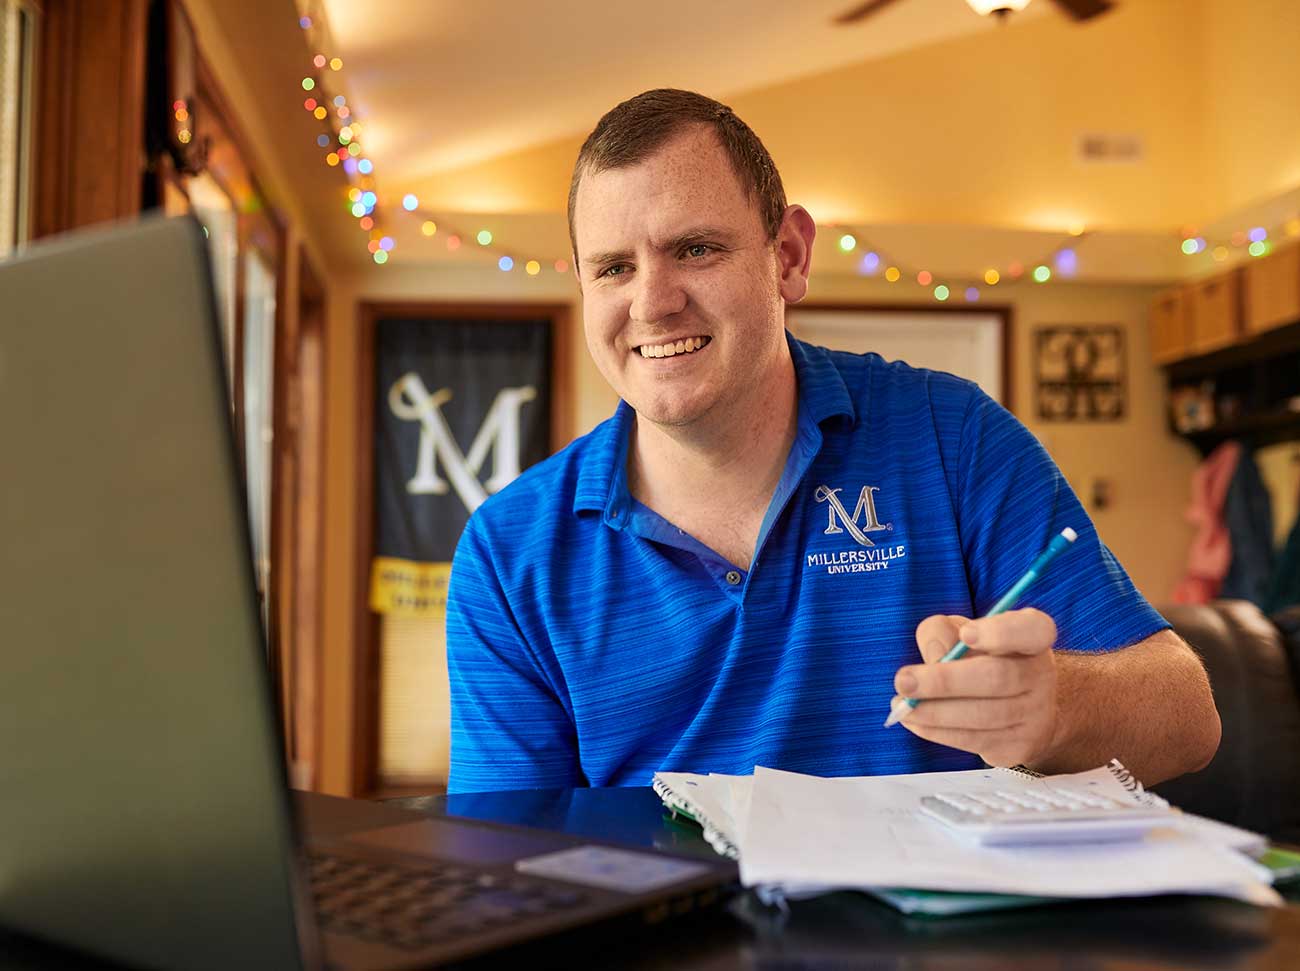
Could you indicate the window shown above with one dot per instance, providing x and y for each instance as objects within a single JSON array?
[
  {"x": 17, "y": 37},
  {"x": 215, "y": 210},
  {"x": 259, "y": 383}
]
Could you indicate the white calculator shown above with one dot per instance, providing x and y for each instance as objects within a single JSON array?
[{"x": 1002, "y": 817}]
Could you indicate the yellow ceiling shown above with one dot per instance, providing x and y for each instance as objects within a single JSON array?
[{"x": 928, "y": 126}]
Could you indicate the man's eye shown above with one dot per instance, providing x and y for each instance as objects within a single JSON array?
[
  {"x": 696, "y": 250},
  {"x": 616, "y": 270}
]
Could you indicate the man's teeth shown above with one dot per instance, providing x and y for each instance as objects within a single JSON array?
[{"x": 688, "y": 346}]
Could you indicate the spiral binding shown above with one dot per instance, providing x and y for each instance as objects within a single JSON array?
[{"x": 715, "y": 837}]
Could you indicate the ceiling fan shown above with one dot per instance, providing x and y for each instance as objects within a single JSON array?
[{"x": 1078, "y": 9}]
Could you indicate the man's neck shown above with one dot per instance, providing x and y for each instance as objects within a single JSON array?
[{"x": 724, "y": 469}]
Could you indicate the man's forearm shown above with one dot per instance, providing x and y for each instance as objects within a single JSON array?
[{"x": 1148, "y": 705}]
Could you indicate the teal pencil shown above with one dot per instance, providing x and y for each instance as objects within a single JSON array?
[{"x": 1067, "y": 536}]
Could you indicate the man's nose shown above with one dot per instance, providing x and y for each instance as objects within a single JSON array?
[{"x": 658, "y": 294}]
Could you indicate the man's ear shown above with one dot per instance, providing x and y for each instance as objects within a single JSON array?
[{"x": 794, "y": 242}]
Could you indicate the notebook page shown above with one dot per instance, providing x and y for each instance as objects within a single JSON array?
[{"x": 867, "y": 832}]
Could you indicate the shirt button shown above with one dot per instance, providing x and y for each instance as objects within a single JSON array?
[{"x": 733, "y": 577}]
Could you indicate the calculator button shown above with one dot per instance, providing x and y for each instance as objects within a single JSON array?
[{"x": 961, "y": 803}]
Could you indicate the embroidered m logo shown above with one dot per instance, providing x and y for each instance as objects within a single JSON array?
[
  {"x": 410, "y": 400},
  {"x": 835, "y": 510}
]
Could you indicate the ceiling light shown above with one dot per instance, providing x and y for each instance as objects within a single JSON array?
[{"x": 999, "y": 7}]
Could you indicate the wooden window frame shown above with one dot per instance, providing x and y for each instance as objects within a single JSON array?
[
  {"x": 225, "y": 157},
  {"x": 365, "y": 689}
]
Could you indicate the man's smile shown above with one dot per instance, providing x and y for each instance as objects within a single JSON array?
[{"x": 685, "y": 345}]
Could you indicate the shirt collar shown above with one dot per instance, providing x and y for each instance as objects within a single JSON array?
[{"x": 602, "y": 478}]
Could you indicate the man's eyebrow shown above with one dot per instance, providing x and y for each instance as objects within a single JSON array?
[{"x": 676, "y": 242}]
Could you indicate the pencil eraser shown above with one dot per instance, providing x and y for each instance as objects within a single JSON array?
[{"x": 1069, "y": 534}]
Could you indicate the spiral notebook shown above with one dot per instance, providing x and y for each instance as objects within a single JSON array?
[{"x": 796, "y": 835}]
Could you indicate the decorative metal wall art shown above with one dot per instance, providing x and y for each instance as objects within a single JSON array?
[{"x": 1079, "y": 370}]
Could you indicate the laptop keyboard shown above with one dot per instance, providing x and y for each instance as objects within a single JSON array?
[{"x": 414, "y": 907}]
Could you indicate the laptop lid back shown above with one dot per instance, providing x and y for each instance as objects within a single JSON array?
[{"x": 143, "y": 811}]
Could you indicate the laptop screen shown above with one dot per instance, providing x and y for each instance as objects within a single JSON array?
[{"x": 144, "y": 813}]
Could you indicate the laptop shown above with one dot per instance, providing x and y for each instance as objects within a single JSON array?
[{"x": 144, "y": 811}]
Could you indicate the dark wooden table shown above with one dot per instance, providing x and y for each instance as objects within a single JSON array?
[
  {"x": 842, "y": 930},
  {"x": 848, "y": 930}
]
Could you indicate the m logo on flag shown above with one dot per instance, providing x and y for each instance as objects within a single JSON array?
[
  {"x": 410, "y": 400},
  {"x": 835, "y": 510}
]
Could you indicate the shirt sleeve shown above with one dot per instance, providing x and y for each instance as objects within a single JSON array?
[
  {"x": 1011, "y": 500},
  {"x": 509, "y": 727}
]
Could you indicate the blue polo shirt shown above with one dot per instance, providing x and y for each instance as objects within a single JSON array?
[{"x": 592, "y": 642}]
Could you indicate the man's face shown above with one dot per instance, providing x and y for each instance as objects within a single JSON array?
[{"x": 681, "y": 286}]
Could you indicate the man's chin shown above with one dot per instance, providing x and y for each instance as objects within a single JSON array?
[{"x": 672, "y": 416}]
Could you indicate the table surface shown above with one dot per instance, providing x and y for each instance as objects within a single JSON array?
[
  {"x": 846, "y": 930},
  {"x": 849, "y": 930}
]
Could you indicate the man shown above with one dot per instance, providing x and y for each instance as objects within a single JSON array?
[{"x": 767, "y": 539}]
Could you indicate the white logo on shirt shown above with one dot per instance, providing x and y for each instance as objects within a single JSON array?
[
  {"x": 835, "y": 509},
  {"x": 839, "y": 521}
]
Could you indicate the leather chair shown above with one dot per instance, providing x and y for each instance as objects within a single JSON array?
[{"x": 1253, "y": 662}]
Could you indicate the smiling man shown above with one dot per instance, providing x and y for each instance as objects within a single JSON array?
[{"x": 767, "y": 539}]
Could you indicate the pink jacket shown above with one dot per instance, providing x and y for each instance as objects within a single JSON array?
[{"x": 1211, "y": 550}]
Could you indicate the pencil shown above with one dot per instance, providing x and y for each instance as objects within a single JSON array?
[{"x": 903, "y": 706}]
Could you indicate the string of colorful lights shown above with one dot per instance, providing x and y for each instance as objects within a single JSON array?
[
  {"x": 344, "y": 148},
  {"x": 343, "y": 144},
  {"x": 1063, "y": 257}
]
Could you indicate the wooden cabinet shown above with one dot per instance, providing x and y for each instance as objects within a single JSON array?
[
  {"x": 1215, "y": 312},
  {"x": 1171, "y": 335},
  {"x": 1272, "y": 289}
]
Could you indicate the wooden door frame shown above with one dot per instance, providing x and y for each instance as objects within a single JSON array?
[{"x": 365, "y": 689}]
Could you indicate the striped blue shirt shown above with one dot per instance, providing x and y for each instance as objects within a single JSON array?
[{"x": 592, "y": 642}]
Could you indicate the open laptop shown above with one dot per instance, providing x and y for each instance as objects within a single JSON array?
[{"x": 144, "y": 814}]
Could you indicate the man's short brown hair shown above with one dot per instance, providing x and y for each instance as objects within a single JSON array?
[{"x": 634, "y": 130}]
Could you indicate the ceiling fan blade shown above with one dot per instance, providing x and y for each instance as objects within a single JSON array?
[
  {"x": 1084, "y": 9},
  {"x": 861, "y": 12}
]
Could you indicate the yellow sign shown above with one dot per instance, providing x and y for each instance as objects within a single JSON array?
[{"x": 408, "y": 588}]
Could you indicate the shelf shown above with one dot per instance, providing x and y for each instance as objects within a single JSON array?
[
  {"x": 1270, "y": 344},
  {"x": 1264, "y": 429}
]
